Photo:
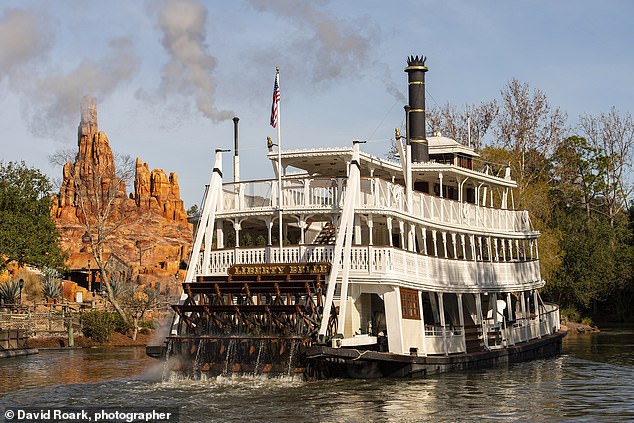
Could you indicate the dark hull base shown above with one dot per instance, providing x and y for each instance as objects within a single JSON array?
[
  {"x": 321, "y": 362},
  {"x": 325, "y": 362}
]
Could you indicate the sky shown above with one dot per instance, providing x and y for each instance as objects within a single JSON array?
[{"x": 170, "y": 75}]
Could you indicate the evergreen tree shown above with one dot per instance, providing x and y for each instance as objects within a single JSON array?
[{"x": 27, "y": 233}]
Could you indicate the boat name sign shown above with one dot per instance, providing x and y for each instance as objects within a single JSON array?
[{"x": 280, "y": 269}]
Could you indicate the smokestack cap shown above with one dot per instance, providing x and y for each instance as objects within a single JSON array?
[{"x": 416, "y": 63}]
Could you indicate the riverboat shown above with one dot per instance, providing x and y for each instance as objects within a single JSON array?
[{"x": 350, "y": 265}]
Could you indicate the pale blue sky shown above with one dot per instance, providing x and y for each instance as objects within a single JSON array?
[{"x": 167, "y": 74}]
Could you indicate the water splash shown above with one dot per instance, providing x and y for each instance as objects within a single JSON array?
[
  {"x": 291, "y": 356},
  {"x": 230, "y": 356},
  {"x": 197, "y": 360},
  {"x": 166, "y": 366},
  {"x": 258, "y": 361}
]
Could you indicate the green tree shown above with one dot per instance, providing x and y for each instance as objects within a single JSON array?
[{"x": 27, "y": 233}]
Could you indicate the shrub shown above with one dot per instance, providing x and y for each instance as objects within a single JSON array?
[
  {"x": 99, "y": 325},
  {"x": 570, "y": 314},
  {"x": 147, "y": 324},
  {"x": 51, "y": 283},
  {"x": 587, "y": 321},
  {"x": 9, "y": 292}
]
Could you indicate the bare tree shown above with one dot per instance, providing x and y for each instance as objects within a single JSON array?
[
  {"x": 133, "y": 301},
  {"x": 97, "y": 184},
  {"x": 530, "y": 128},
  {"x": 611, "y": 135},
  {"x": 468, "y": 126}
]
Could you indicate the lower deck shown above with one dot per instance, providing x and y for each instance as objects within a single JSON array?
[{"x": 326, "y": 362}]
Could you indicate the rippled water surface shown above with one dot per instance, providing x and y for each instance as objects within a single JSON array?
[{"x": 592, "y": 381}]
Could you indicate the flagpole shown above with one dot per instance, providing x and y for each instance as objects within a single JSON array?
[{"x": 279, "y": 165}]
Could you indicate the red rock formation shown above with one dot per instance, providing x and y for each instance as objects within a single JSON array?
[{"x": 156, "y": 236}]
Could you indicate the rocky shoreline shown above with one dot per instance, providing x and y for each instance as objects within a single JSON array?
[{"x": 576, "y": 328}]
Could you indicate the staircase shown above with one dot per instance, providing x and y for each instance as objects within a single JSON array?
[
  {"x": 473, "y": 338},
  {"x": 327, "y": 234}
]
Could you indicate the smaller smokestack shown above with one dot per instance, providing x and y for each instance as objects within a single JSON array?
[
  {"x": 236, "y": 159},
  {"x": 416, "y": 88}
]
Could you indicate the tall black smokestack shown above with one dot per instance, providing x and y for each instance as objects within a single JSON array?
[
  {"x": 416, "y": 86},
  {"x": 236, "y": 158}
]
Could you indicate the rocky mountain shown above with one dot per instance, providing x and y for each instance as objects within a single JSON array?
[{"x": 152, "y": 233}]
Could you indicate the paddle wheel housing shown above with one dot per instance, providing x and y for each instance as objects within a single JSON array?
[{"x": 250, "y": 323}]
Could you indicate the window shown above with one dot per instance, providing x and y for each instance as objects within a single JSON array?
[{"x": 409, "y": 304}]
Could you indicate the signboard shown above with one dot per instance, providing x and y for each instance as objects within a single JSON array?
[{"x": 280, "y": 269}]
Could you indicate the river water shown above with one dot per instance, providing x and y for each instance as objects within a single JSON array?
[{"x": 592, "y": 381}]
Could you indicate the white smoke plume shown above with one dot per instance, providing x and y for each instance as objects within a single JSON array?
[
  {"x": 26, "y": 38},
  {"x": 329, "y": 47},
  {"x": 55, "y": 98},
  {"x": 189, "y": 70},
  {"x": 49, "y": 95}
]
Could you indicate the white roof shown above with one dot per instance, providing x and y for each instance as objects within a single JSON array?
[{"x": 440, "y": 144}]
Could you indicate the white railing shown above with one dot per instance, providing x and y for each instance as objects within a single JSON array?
[
  {"x": 531, "y": 327},
  {"x": 381, "y": 263},
  {"x": 435, "y": 342},
  {"x": 375, "y": 193}
]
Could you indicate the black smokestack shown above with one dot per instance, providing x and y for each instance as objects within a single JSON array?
[
  {"x": 235, "y": 135},
  {"x": 416, "y": 86}
]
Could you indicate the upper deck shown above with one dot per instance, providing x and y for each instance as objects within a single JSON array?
[{"x": 324, "y": 195}]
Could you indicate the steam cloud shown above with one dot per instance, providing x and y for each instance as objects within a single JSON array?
[
  {"x": 50, "y": 97},
  {"x": 332, "y": 47},
  {"x": 59, "y": 95},
  {"x": 25, "y": 37},
  {"x": 188, "y": 72}
]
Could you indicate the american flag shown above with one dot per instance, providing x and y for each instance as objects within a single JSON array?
[{"x": 276, "y": 100}]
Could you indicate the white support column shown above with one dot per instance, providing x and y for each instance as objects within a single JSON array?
[
  {"x": 536, "y": 250},
  {"x": 343, "y": 246},
  {"x": 473, "y": 247},
  {"x": 370, "y": 229},
  {"x": 440, "y": 178},
  {"x": 464, "y": 246},
  {"x": 461, "y": 317},
  {"x": 357, "y": 230},
  {"x": 509, "y": 314},
  {"x": 422, "y": 321},
  {"x": 517, "y": 249},
  {"x": 389, "y": 231},
  {"x": 302, "y": 229},
  {"x": 480, "y": 248},
  {"x": 394, "y": 321},
  {"x": 536, "y": 301},
  {"x": 207, "y": 221},
  {"x": 503, "y": 249},
  {"x": 434, "y": 237},
  {"x": 481, "y": 322},
  {"x": 444, "y": 243},
  {"x": 401, "y": 230},
  {"x": 509, "y": 307},
  {"x": 236, "y": 229},
  {"x": 510, "y": 246},
  {"x": 489, "y": 248},
  {"x": 411, "y": 245},
  {"x": 220, "y": 237},
  {"x": 424, "y": 230},
  {"x": 524, "y": 316},
  {"x": 453, "y": 241},
  {"x": 441, "y": 310},
  {"x": 497, "y": 255}
]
